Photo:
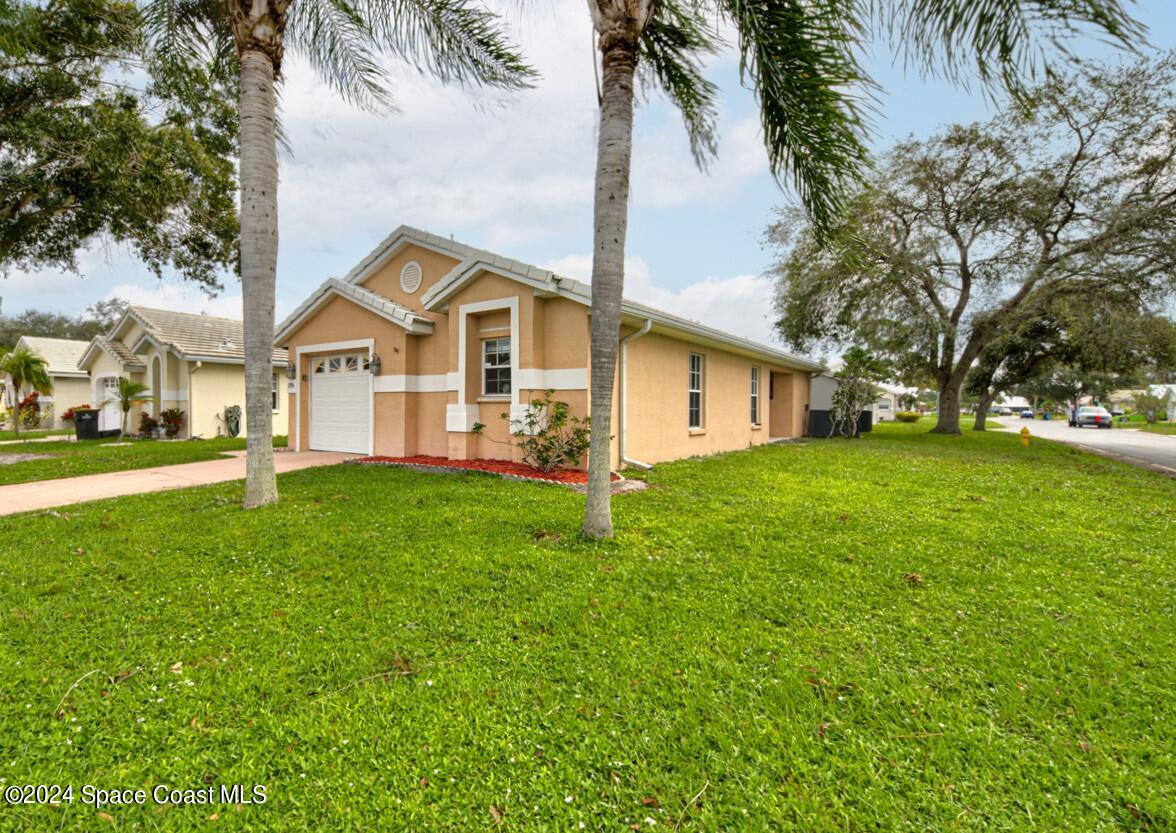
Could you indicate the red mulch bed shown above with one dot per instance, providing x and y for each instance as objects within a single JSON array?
[{"x": 505, "y": 468}]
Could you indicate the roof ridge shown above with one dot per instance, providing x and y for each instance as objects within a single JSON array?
[{"x": 200, "y": 315}]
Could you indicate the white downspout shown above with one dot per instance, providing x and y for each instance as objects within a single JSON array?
[{"x": 622, "y": 394}]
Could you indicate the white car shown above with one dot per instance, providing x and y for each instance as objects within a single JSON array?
[{"x": 1092, "y": 415}]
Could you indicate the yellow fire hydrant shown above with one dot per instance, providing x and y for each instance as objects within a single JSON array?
[{"x": 1025, "y": 436}]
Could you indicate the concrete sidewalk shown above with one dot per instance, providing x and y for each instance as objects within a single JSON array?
[{"x": 47, "y": 494}]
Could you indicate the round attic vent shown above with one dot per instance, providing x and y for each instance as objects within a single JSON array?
[{"x": 410, "y": 277}]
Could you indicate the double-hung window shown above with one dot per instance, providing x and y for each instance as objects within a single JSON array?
[
  {"x": 694, "y": 398},
  {"x": 755, "y": 396},
  {"x": 274, "y": 393},
  {"x": 496, "y": 367}
]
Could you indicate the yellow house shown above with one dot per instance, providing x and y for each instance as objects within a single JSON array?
[
  {"x": 71, "y": 386},
  {"x": 188, "y": 361},
  {"x": 426, "y": 338}
]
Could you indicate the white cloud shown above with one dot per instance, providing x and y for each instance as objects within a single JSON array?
[
  {"x": 740, "y": 305},
  {"x": 185, "y": 298}
]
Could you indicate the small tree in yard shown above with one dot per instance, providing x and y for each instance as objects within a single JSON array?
[
  {"x": 1151, "y": 406},
  {"x": 24, "y": 369},
  {"x": 128, "y": 394},
  {"x": 856, "y": 389},
  {"x": 548, "y": 436}
]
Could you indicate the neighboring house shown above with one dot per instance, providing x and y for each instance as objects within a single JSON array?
[
  {"x": 188, "y": 361},
  {"x": 71, "y": 386},
  {"x": 427, "y": 338},
  {"x": 889, "y": 401},
  {"x": 824, "y": 385},
  {"x": 1016, "y": 404},
  {"x": 1170, "y": 392}
]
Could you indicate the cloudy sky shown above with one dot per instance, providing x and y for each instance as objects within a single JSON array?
[{"x": 513, "y": 173}]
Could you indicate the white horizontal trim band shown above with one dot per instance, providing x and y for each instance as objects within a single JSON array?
[
  {"x": 569, "y": 378},
  {"x": 404, "y": 383}
]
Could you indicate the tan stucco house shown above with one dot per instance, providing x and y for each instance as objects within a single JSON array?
[
  {"x": 426, "y": 337},
  {"x": 71, "y": 386},
  {"x": 188, "y": 361}
]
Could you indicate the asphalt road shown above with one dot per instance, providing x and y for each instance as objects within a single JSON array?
[{"x": 1132, "y": 446}]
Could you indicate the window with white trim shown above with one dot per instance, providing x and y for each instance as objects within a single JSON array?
[
  {"x": 496, "y": 367},
  {"x": 350, "y": 363},
  {"x": 694, "y": 397},
  {"x": 755, "y": 396},
  {"x": 274, "y": 393}
]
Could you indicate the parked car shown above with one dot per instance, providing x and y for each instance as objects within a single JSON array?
[
  {"x": 1027, "y": 414},
  {"x": 1006, "y": 411},
  {"x": 1091, "y": 415}
]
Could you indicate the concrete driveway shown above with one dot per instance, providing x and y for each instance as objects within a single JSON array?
[
  {"x": 47, "y": 494},
  {"x": 1154, "y": 451}
]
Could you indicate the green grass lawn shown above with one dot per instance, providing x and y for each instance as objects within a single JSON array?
[
  {"x": 906, "y": 632},
  {"x": 1159, "y": 428},
  {"x": 70, "y": 459}
]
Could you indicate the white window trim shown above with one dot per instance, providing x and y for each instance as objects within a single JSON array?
[
  {"x": 462, "y": 416},
  {"x": 700, "y": 390},
  {"x": 510, "y": 348},
  {"x": 756, "y": 375},
  {"x": 368, "y": 344}
]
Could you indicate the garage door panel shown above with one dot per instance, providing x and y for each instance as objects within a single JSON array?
[{"x": 340, "y": 412}]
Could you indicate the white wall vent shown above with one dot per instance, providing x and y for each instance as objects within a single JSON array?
[{"x": 410, "y": 277}]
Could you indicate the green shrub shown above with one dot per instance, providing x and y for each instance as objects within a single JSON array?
[
  {"x": 907, "y": 416},
  {"x": 548, "y": 436},
  {"x": 173, "y": 420}
]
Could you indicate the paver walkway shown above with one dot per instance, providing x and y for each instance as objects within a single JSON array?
[{"x": 47, "y": 494}]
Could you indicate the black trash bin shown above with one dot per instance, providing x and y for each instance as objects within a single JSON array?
[{"x": 86, "y": 423}]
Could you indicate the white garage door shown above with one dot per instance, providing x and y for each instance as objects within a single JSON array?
[{"x": 340, "y": 403}]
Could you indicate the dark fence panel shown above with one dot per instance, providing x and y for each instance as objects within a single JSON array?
[{"x": 820, "y": 423}]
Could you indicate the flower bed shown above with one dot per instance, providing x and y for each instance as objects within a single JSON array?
[{"x": 503, "y": 468}]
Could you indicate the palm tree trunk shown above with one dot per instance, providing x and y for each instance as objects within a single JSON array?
[
  {"x": 259, "y": 263},
  {"x": 614, "y": 152}
]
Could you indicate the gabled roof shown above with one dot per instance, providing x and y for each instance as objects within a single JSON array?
[
  {"x": 374, "y": 302},
  {"x": 545, "y": 282},
  {"x": 191, "y": 336},
  {"x": 118, "y": 351},
  {"x": 402, "y": 236},
  {"x": 62, "y": 354}
]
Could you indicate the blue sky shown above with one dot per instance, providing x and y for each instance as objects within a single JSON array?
[{"x": 514, "y": 174}]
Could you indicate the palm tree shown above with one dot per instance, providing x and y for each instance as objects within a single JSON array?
[
  {"x": 24, "y": 369},
  {"x": 128, "y": 394},
  {"x": 801, "y": 59},
  {"x": 345, "y": 41}
]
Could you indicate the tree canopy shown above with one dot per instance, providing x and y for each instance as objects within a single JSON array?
[
  {"x": 951, "y": 240},
  {"x": 86, "y": 152}
]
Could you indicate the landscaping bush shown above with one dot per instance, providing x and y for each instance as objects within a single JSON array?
[
  {"x": 907, "y": 416},
  {"x": 68, "y": 416},
  {"x": 148, "y": 425},
  {"x": 29, "y": 410},
  {"x": 173, "y": 419},
  {"x": 548, "y": 436}
]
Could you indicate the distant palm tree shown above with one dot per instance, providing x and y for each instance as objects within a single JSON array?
[
  {"x": 801, "y": 59},
  {"x": 128, "y": 394},
  {"x": 24, "y": 369},
  {"x": 344, "y": 40}
]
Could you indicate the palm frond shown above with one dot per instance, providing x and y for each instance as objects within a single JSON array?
[
  {"x": 194, "y": 32},
  {"x": 999, "y": 42},
  {"x": 339, "y": 43},
  {"x": 801, "y": 60},
  {"x": 453, "y": 40},
  {"x": 670, "y": 57}
]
